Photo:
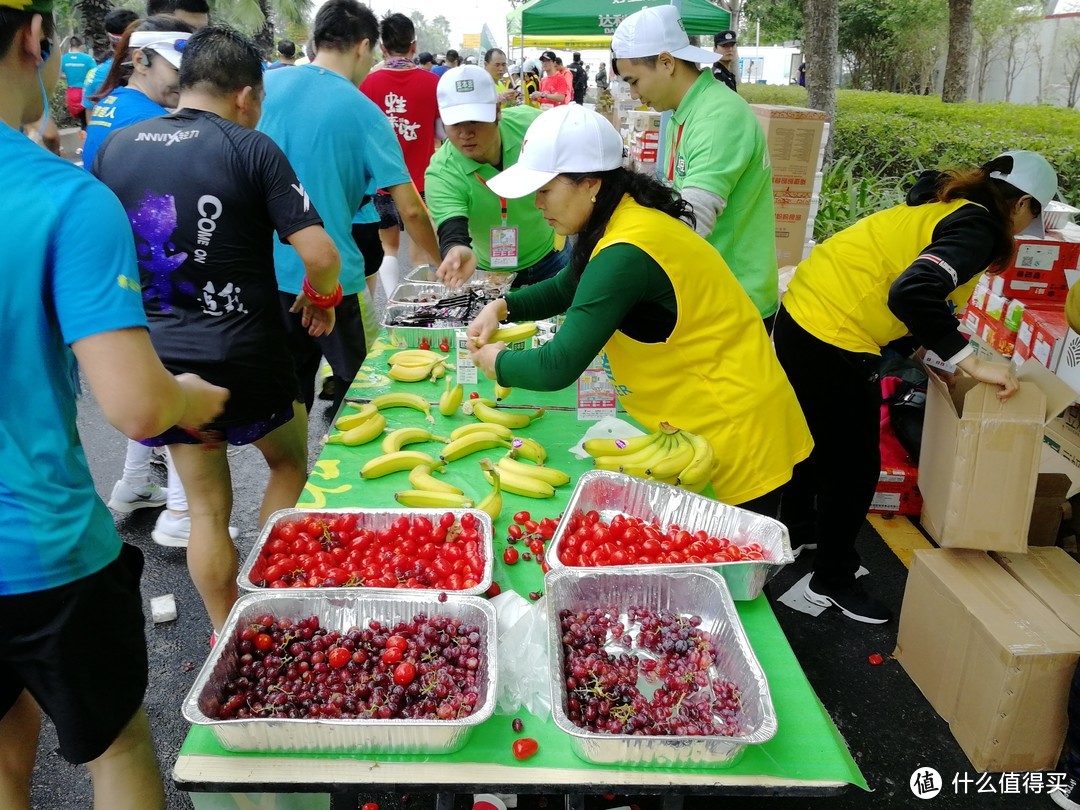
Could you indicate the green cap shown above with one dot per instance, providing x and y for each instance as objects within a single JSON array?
[{"x": 40, "y": 6}]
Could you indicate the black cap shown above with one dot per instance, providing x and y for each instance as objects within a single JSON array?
[
  {"x": 548, "y": 55},
  {"x": 425, "y": 58},
  {"x": 724, "y": 38}
]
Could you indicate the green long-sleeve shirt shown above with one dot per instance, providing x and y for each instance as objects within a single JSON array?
[{"x": 622, "y": 288}]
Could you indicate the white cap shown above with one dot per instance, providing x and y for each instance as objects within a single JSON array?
[
  {"x": 653, "y": 31},
  {"x": 1032, "y": 175},
  {"x": 170, "y": 44},
  {"x": 565, "y": 139},
  {"x": 467, "y": 93}
]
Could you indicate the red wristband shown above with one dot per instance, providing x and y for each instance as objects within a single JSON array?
[{"x": 319, "y": 300}]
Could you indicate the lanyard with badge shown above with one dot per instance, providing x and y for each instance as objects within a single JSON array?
[
  {"x": 674, "y": 154},
  {"x": 504, "y": 239}
]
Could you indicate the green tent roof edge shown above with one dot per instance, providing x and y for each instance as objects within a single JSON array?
[{"x": 700, "y": 17}]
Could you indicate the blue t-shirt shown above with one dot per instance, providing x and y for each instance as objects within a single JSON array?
[
  {"x": 341, "y": 146},
  {"x": 93, "y": 81},
  {"x": 54, "y": 529},
  {"x": 123, "y": 107},
  {"x": 439, "y": 70},
  {"x": 75, "y": 66}
]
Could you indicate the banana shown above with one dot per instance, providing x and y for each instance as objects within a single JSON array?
[
  {"x": 400, "y": 400},
  {"x": 414, "y": 373},
  {"x": 426, "y": 499},
  {"x": 414, "y": 357},
  {"x": 502, "y": 392},
  {"x": 549, "y": 474},
  {"x": 397, "y": 439},
  {"x": 471, "y": 443},
  {"x": 482, "y": 427},
  {"x": 352, "y": 420},
  {"x": 450, "y": 400},
  {"x": 673, "y": 463},
  {"x": 493, "y": 503},
  {"x": 363, "y": 433},
  {"x": 421, "y": 478},
  {"x": 700, "y": 466},
  {"x": 482, "y": 409},
  {"x": 640, "y": 465},
  {"x": 619, "y": 447},
  {"x": 529, "y": 449},
  {"x": 522, "y": 485},
  {"x": 438, "y": 371},
  {"x": 514, "y": 333},
  {"x": 365, "y": 410},
  {"x": 651, "y": 451},
  {"x": 396, "y": 462}
]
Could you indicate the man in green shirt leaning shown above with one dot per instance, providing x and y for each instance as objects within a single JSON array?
[
  {"x": 715, "y": 154},
  {"x": 476, "y": 227}
]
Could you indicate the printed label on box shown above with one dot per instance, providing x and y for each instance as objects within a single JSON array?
[
  {"x": 1030, "y": 256},
  {"x": 885, "y": 502},
  {"x": 595, "y": 394},
  {"x": 466, "y": 369}
]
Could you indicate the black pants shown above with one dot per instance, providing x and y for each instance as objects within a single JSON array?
[
  {"x": 345, "y": 348},
  {"x": 366, "y": 236},
  {"x": 829, "y": 493}
]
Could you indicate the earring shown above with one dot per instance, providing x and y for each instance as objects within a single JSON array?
[{"x": 594, "y": 198}]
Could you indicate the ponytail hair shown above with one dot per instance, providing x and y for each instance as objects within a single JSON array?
[
  {"x": 996, "y": 196},
  {"x": 615, "y": 184}
]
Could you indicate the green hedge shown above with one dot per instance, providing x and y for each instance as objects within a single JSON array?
[{"x": 881, "y": 139}]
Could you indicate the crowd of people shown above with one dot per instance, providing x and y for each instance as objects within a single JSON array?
[{"x": 241, "y": 215}]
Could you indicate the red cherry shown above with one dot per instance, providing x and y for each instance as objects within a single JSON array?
[
  {"x": 370, "y": 806},
  {"x": 474, "y": 395},
  {"x": 514, "y": 531},
  {"x": 338, "y": 657},
  {"x": 444, "y": 347},
  {"x": 404, "y": 673},
  {"x": 510, "y": 556},
  {"x": 424, "y": 344},
  {"x": 875, "y": 659},
  {"x": 525, "y": 748}
]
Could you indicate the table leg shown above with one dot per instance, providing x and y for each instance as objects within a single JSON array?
[
  {"x": 575, "y": 801},
  {"x": 444, "y": 800},
  {"x": 345, "y": 800}
]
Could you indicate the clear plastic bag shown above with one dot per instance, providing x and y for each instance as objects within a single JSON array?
[{"x": 523, "y": 660}]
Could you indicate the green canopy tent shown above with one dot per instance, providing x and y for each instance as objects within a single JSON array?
[{"x": 602, "y": 17}]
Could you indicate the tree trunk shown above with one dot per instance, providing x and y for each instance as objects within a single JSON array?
[
  {"x": 264, "y": 39},
  {"x": 92, "y": 14},
  {"x": 957, "y": 62},
  {"x": 822, "y": 23}
]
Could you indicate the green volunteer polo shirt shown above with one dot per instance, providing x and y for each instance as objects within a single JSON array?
[
  {"x": 715, "y": 143},
  {"x": 453, "y": 190}
]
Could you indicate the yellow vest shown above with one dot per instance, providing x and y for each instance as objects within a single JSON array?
[
  {"x": 840, "y": 293},
  {"x": 717, "y": 374}
]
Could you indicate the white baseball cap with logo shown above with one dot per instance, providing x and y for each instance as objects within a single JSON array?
[
  {"x": 467, "y": 93},
  {"x": 170, "y": 44},
  {"x": 566, "y": 139},
  {"x": 1033, "y": 175},
  {"x": 653, "y": 31}
]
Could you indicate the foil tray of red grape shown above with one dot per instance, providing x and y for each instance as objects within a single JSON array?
[
  {"x": 651, "y": 667},
  {"x": 331, "y": 671},
  {"x": 411, "y": 549},
  {"x": 616, "y": 520}
]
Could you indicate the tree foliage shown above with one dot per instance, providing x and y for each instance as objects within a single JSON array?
[
  {"x": 781, "y": 20},
  {"x": 432, "y": 35}
]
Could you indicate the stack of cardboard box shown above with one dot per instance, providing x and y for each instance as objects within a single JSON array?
[
  {"x": 641, "y": 133},
  {"x": 796, "y": 140}
]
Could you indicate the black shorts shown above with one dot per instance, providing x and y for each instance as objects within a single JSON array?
[
  {"x": 345, "y": 348},
  {"x": 387, "y": 211},
  {"x": 80, "y": 650},
  {"x": 366, "y": 236}
]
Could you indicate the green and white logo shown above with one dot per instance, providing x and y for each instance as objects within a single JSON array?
[
  {"x": 464, "y": 86},
  {"x": 680, "y": 166}
]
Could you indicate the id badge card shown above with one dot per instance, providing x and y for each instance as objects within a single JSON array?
[{"x": 504, "y": 247}]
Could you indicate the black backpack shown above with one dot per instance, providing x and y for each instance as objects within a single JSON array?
[{"x": 907, "y": 405}]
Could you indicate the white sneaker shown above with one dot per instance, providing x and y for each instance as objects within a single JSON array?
[
  {"x": 126, "y": 498},
  {"x": 173, "y": 531}
]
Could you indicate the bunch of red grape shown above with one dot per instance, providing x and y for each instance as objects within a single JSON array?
[
  {"x": 332, "y": 550},
  {"x": 662, "y": 652},
  {"x": 590, "y": 541},
  {"x": 427, "y": 668}
]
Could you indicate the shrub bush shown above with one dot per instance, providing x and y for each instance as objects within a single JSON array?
[{"x": 882, "y": 139}]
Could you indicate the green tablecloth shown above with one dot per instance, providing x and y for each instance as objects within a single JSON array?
[{"x": 807, "y": 745}]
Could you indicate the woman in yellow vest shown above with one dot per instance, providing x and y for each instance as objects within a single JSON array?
[
  {"x": 901, "y": 271},
  {"x": 679, "y": 338}
]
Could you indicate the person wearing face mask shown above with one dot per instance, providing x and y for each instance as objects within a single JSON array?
[
  {"x": 681, "y": 340},
  {"x": 144, "y": 84},
  {"x": 897, "y": 272}
]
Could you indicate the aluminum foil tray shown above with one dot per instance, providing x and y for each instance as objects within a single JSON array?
[
  {"x": 687, "y": 591},
  {"x": 377, "y": 520},
  {"x": 426, "y": 273},
  {"x": 411, "y": 291},
  {"x": 339, "y": 609},
  {"x": 410, "y": 336},
  {"x": 611, "y": 494}
]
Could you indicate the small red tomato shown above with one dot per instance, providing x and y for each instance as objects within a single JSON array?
[
  {"x": 338, "y": 657},
  {"x": 424, "y": 344},
  {"x": 474, "y": 395},
  {"x": 404, "y": 673},
  {"x": 531, "y": 526},
  {"x": 510, "y": 556},
  {"x": 468, "y": 521},
  {"x": 525, "y": 748},
  {"x": 875, "y": 659},
  {"x": 514, "y": 531},
  {"x": 370, "y": 806},
  {"x": 396, "y": 642},
  {"x": 444, "y": 347},
  {"x": 446, "y": 520},
  {"x": 263, "y": 642},
  {"x": 521, "y": 517},
  {"x": 391, "y": 656}
]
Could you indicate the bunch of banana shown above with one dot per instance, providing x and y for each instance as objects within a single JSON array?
[
  {"x": 528, "y": 449},
  {"x": 482, "y": 427},
  {"x": 397, "y": 439},
  {"x": 421, "y": 478},
  {"x": 502, "y": 392},
  {"x": 397, "y": 462},
  {"x": 426, "y": 499},
  {"x": 493, "y": 503},
  {"x": 527, "y": 486},
  {"x": 471, "y": 443},
  {"x": 485, "y": 411},
  {"x": 670, "y": 455},
  {"x": 356, "y": 431},
  {"x": 514, "y": 333},
  {"x": 415, "y": 368},
  {"x": 549, "y": 475},
  {"x": 450, "y": 400},
  {"x": 399, "y": 400}
]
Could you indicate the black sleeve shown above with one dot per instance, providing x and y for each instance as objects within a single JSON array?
[
  {"x": 962, "y": 248},
  {"x": 287, "y": 202},
  {"x": 455, "y": 231}
]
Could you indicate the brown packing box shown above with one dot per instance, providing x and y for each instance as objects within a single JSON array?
[
  {"x": 793, "y": 135},
  {"x": 1051, "y": 491},
  {"x": 991, "y": 659},
  {"x": 1052, "y": 576},
  {"x": 791, "y": 232}
]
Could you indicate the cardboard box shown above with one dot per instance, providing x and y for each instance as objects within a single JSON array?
[
  {"x": 1042, "y": 335},
  {"x": 978, "y": 463},
  {"x": 794, "y": 136},
  {"x": 897, "y": 491},
  {"x": 1039, "y": 270},
  {"x": 794, "y": 225},
  {"x": 990, "y": 657},
  {"x": 642, "y": 120},
  {"x": 1051, "y": 493},
  {"x": 1052, "y": 576}
]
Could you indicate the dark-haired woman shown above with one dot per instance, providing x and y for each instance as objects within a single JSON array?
[
  {"x": 681, "y": 340},
  {"x": 897, "y": 272}
]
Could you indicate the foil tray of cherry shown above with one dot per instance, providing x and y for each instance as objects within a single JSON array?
[
  {"x": 671, "y": 510},
  {"x": 651, "y": 667},
  {"x": 429, "y": 549},
  {"x": 336, "y": 671}
]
